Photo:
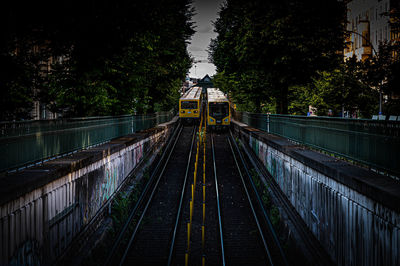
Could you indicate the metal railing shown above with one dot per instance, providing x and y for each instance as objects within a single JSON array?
[
  {"x": 373, "y": 143},
  {"x": 28, "y": 142}
]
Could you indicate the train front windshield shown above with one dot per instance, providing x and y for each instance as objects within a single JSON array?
[
  {"x": 188, "y": 105},
  {"x": 219, "y": 110}
]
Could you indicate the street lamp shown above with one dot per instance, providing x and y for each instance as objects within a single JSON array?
[
  {"x": 376, "y": 53},
  {"x": 198, "y": 61}
]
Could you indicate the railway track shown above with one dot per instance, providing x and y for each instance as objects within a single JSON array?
[
  {"x": 228, "y": 222},
  {"x": 245, "y": 237},
  {"x": 312, "y": 249},
  {"x": 152, "y": 220}
]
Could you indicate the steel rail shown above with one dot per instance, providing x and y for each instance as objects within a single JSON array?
[
  {"x": 171, "y": 250},
  {"x": 218, "y": 203},
  {"x": 117, "y": 242},
  {"x": 322, "y": 259},
  {"x": 149, "y": 201},
  {"x": 251, "y": 206},
  {"x": 270, "y": 227}
]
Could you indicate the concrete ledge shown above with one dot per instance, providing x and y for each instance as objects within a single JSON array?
[
  {"x": 381, "y": 188},
  {"x": 47, "y": 205}
]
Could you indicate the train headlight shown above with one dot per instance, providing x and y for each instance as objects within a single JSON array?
[
  {"x": 182, "y": 111},
  {"x": 195, "y": 112}
]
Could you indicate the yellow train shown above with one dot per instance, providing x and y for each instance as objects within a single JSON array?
[
  {"x": 190, "y": 105},
  {"x": 218, "y": 109}
]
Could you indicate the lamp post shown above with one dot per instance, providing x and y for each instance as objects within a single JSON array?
[{"x": 376, "y": 54}]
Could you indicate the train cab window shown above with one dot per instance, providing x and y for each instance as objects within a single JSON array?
[
  {"x": 189, "y": 105},
  {"x": 219, "y": 110}
]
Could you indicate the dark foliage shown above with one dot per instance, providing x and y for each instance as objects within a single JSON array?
[
  {"x": 86, "y": 58},
  {"x": 268, "y": 47}
]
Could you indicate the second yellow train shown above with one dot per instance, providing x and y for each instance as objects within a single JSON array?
[{"x": 218, "y": 109}]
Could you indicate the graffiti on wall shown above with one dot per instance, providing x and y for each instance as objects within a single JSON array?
[
  {"x": 104, "y": 183},
  {"x": 138, "y": 152},
  {"x": 110, "y": 183},
  {"x": 27, "y": 254},
  {"x": 271, "y": 161},
  {"x": 81, "y": 185},
  {"x": 262, "y": 152},
  {"x": 102, "y": 186}
]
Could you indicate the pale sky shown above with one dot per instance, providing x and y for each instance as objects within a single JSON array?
[{"x": 206, "y": 13}]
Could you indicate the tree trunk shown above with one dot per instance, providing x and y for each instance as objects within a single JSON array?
[
  {"x": 282, "y": 101},
  {"x": 257, "y": 102}
]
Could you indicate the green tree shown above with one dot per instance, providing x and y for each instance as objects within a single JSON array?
[
  {"x": 20, "y": 80},
  {"x": 107, "y": 57},
  {"x": 343, "y": 89},
  {"x": 269, "y": 47},
  {"x": 381, "y": 73}
]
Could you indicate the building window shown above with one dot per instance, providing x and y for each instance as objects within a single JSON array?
[
  {"x": 365, "y": 39},
  {"x": 385, "y": 34}
]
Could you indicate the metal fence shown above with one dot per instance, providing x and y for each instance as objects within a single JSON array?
[
  {"x": 27, "y": 142},
  {"x": 374, "y": 143}
]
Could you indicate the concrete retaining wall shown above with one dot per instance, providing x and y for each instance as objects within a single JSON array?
[
  {"x": 355, "y": 213},
  {"x": 44, "y": 207}
]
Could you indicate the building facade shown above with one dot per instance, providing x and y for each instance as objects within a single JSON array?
[
  {"x": 368, "y": 27},
  {"x": 40, "y": 111}
]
